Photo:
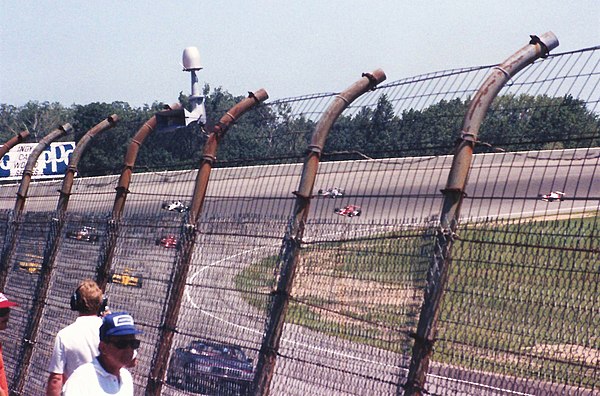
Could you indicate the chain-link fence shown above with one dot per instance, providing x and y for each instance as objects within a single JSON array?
[{"x": 520, "y": 313}]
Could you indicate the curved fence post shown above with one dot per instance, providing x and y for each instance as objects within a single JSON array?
[
  {"x": 209, "y": 153},
  {"x": 293, "y": 236},
  {"x": 130, "y": 158},
  {"x": 188, "y": 240},
  {"x": 105, "y": 262},
  {"x": 50, "y": 250},
  {"x": 5, "y": 148},
  {"x": 65, "y": 191},
  {"x": 10, "y": 241},
  {"x": 32, "y": 159},
  {"x": 453, "y": 196},
  {"x": 12, "y": 142}
]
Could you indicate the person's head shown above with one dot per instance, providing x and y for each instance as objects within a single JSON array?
[
  {"x": 87, "y": 298},
  {"x": 5, "y": 305},
  {"x": 117, "y": 340}
]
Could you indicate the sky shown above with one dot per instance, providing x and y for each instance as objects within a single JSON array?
[{"x": 80, "y": 52}]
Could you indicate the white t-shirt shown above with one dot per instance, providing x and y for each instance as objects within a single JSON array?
[
  {"x": 75, "y": 345},
  {"x": 91, "y": 379}
]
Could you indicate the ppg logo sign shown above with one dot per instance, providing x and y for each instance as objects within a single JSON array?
[{"x": 52, "y": 163}]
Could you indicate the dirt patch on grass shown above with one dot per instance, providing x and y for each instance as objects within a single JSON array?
[
  {"x": 352, "y": 292},
  {"x": 349, "y": 297}
]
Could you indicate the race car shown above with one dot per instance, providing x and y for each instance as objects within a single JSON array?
[
  {"x": 126, "y": 278},
  {"x": 334, "y": 192},
  {"x": 31, "y": 263},
  {"x": 553, "y": 196},
  {"x": 211, "y": 368},
  {"x": 85, "y": 233},
  {"x": 168, "y": 241},
  {"x": 175, "y": 206},
  {"x": 349, "y": 210}
]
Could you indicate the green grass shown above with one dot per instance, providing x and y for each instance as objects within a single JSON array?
[{"x": 520, "y": 298}]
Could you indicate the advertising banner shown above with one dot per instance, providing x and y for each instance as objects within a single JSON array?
[{"x": 52, "y": 163}]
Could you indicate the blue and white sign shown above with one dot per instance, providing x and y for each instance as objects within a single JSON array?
[{"x": 52, "y": 163}]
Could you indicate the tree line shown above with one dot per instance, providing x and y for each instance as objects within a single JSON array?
[{"x": 275, "y": 133}]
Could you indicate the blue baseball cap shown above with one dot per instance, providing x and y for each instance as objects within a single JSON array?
[{"x": 117, "y": 324}]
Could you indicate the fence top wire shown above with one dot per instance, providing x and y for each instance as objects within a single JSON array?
[{"x": 425, "y": 89}]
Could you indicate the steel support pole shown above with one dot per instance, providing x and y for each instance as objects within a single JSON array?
[
  {"x": 130, "y": 158},
  {"x": 32, "y": 159},
  {"x": 293, "y": 236},
  {"x": 188, "y": 240},
  {"x": 11, "y": 237},
  {"x": 4, "y": 261},
  {"x": 112, "y": 229},
  {"x": 453, "y": 196},
  {"x": 50, "y": 250},
  {"x": 65, "y": 191},
  {"x": 5, "y": 148},
  {"x": 12, "y": 142}
]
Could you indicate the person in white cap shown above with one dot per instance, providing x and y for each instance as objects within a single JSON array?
[
  {"x": 107, "y": 373},
  {"x": 5, "y": 305}
]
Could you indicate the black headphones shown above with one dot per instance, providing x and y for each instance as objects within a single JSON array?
[
  {"x": 104, "y": 306},
  {"x": 76, "y": 303}
]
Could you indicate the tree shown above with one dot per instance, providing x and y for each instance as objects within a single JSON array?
[
  {"x": 37, "y": 118},
  {"x": 279, "y": 132},
  {"x": 527, "y": 122},
  {"x": 106, "y": 152},
  {"x": 383, "y": 130}
]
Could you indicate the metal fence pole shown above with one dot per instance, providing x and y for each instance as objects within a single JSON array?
[
  {"x": 31, "y": 161},
  {"x": 453, "y": 196},
  {"x": 293, "y": 236},
  {"x": 11, "y": 240},
  {"x": 65, "y": 191},
  {"x": 12, "y": 142},
  {"x": 50, "y": 250},
  {"x": 105, "y": 262},
  {"x": 5, "y": 256},
  {"x": 188, "y": 240}
]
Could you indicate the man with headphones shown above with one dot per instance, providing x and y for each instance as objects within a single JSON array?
[{"x": 77, "y": 343}]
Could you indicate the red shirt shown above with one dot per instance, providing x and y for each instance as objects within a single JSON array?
[{"x": 3, "y": 383}]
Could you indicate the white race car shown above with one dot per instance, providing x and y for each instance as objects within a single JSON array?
[
  {"x": 334, "y": 192},
  {"x": 553, "y": 196},
  {"x": 175, "y": 206}
]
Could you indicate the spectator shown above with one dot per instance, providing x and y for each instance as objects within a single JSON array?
[
  {"x": 106, "y": 374},
  {"x": 5, "y": 305},
  {"x": 77, "y": 343}
]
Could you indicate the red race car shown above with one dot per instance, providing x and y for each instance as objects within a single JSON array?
[
  {"x": 349, "y": 210},
  {"x": 168, "y": 241}
]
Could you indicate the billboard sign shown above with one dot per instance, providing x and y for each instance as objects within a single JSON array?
[{"x": 51, "y": 163}]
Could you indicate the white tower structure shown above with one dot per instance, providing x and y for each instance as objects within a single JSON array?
[{"x": 191, "y": 63}]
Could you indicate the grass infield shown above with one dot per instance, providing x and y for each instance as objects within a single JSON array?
[{"x": 522, "y": 299}]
